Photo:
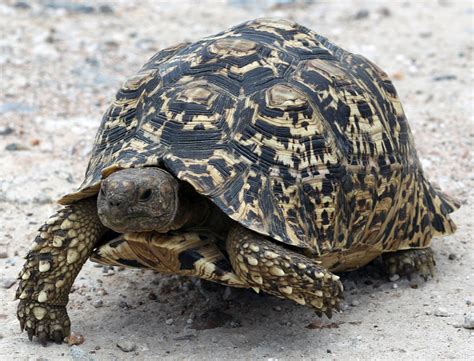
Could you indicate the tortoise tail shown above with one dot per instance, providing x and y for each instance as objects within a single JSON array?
[{"x": 439, "y": 205}]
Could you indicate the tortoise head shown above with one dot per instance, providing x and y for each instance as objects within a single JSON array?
[{"x": 138, "y": 200}]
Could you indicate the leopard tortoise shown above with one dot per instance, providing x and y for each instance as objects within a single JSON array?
[{"x": 264, "y": 157}]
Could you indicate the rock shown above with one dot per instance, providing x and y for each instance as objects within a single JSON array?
[
  {"x": 362, "y": 14},
  {"x": 126, "y": 345},
  {"x": 70, "y": 7},
  {"x": 106, "y": 9},
  {"x": 469, "y": 321},
  {"x": 6, "y": 130},
  {"x": 445, "y": 77},
  {"x": 78, "y": 354},
  {"x": 22, "y": 5},
  {"x": 384, "y": 11},
  {"x": 16, "y": 146},
  {"x": 354, "y": 303},
  {"x": 441, "y": 312},
  {"x": 75, "y": 339},
  {"x": 8, "y": 282},
  {"x": 227, "y": 294},
  {"x": 235, "y": 324},
  {"x": 394, "y": 278},
  {"x": 98, "y": 303},
  {"x": 123, "y": 304}
]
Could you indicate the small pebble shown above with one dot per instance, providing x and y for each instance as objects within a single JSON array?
[
  {"x": 469, "y": 321},
  {"x": 441, "y": 312},
  {"x": 123, "y": 304},
  {"x": 126, "y": 345},
  {"x": 394, "y": 278},
  {"x": 277, "y": 308},
  {"x": 75, "y": 339},
  {"x": 98, "y": 303},
  {"x": 384, "y": 11},
  {"x": 361, "y": 14},
  {"x": 22, "y": 5},
  {"x": 452, "y": 257},
  {"x": 101, "y": 292},
  {"x": 227, "y": 296},
  {"x": 152, "y": 296},
  {"x": 106, "y": 9},
  {"x": 394, "y": 286},
  {"x": 16, "y": 146},
  {"x": 355, "y": 303},
  {"x": 445, "y": 77},
  {"x": 189, "y": 321},
  {"x": 3, "y": 254},
  {"x": 78, "y": 354},
  {"x": 169, "y": 321},
  {"x": 6, "y": 130},
  {"x": 235, "y": 324}
]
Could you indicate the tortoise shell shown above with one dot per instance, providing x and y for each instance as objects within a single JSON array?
[{"x": 287, "y": 133}]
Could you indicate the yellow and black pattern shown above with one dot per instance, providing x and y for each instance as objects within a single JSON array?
[
  {"x": 288, "y": 134},
  {"x": 183, "y": 253}
]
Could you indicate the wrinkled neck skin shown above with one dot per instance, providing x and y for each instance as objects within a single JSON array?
[{"x": 191, "y": 212}]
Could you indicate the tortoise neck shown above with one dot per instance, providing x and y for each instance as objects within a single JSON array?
[{"x": 192, "y": 211}]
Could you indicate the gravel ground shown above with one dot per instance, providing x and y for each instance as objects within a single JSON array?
[{"x": 61, "y": 63}]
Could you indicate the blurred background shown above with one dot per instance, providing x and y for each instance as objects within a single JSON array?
[{"x": 61, "y": 61}]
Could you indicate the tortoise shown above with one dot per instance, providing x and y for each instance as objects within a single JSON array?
[{"x": 264, "y": 157}]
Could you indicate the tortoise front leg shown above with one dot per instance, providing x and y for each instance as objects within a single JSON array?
[
  {"x": 269, "y": 267},
  {"x": 59, "y": 250}
]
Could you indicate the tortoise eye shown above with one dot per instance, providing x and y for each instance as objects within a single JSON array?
[{"x": 146, "y": 195}]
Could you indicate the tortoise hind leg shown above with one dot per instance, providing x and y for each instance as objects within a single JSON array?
[
  {"x": 274, "y": 269},
  {"x": 409, "y": 262}
]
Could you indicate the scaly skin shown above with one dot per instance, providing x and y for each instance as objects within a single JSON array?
[
  {"x": 59, "y": 250},
  {"x": 266, "y": 266},
  {"x": 409, "y": 262}
]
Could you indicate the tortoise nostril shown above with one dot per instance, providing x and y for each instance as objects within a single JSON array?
[{"x": 115, "y": 202}]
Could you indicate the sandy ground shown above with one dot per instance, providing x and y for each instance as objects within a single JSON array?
[{"x": 61, "y": 63}]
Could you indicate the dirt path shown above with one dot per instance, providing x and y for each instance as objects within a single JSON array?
[{"x": 61, "y": 63}]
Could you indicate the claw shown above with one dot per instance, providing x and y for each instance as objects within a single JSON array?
[
  {"x": 43, "y": 338},
  {"x": 57, "y": 336},
  {"x": 22, "y": 325},
  {"x": 30, "y": 334},
  {"x": 319, "y": 313}
]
